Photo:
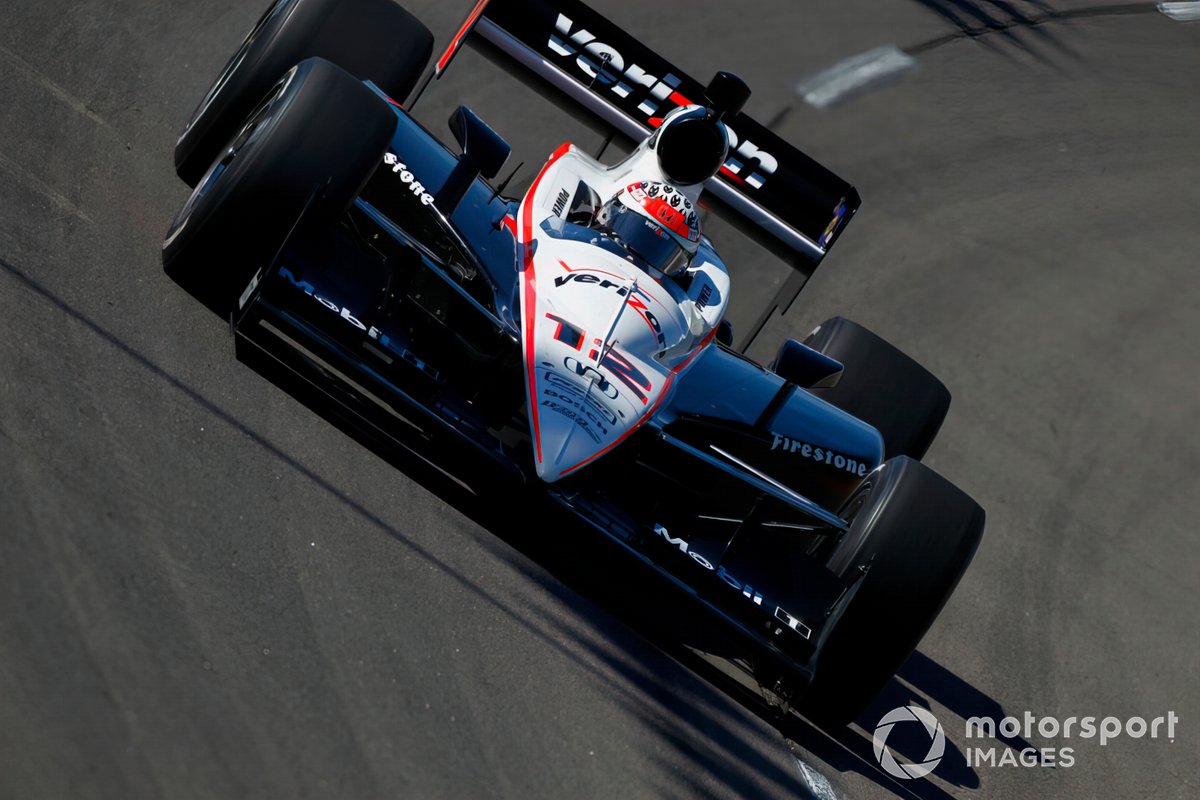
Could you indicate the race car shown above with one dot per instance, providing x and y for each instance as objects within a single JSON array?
[{"x": 575, "y": 337}]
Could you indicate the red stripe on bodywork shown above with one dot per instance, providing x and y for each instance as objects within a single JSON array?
[
  {"x": 640, "y": 291},
  {"x": 456, "y": 42},
  {"x": 680, "y": 100},
  {"x": 563, "y": 264},
  {"x": 640, "y": 308},
  {"x": 529, "y": 292},
  {"x": 728, "y": 173}
]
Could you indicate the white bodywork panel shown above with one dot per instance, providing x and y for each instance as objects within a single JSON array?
[{"x": 603, "y": 338}]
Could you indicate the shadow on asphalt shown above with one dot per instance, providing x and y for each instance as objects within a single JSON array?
[
  {"x": 999, "y": 25},
  {"x": 630, "y": 668},
  {"x": 601, "y": 583},
  {"x": 638, "y": 659}
]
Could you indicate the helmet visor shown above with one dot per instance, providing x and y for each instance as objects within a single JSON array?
[{"x": 645, "y": 239}]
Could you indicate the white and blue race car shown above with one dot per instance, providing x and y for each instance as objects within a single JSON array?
[{"x": 575, "y": 337}]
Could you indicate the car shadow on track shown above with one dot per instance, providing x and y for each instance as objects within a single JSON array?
[
  {"x": 635, "y": 654},
  {"x": 608, "y": 651},
  {"x": 601, "y": 583},
  {"x": 588, "y": 574},
  {"x": 1001, "y": 25}
]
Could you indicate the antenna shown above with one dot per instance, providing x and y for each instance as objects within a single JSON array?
[
  {"x": 607, "y": 57},
  {"x": 504, "y": 183},
  {"x": 612, "y": 132}
]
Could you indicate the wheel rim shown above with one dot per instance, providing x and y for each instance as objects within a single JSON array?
[
  {"x": 245, "y": 137},
  {"x": 841, "y": 559}
]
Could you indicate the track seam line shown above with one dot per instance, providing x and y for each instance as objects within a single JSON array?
[
  {"x": 31, "y": 181},
  {"x": 44, "y": 81}
]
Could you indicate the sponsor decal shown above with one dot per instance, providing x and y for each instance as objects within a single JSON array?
[
  {"x": 603, "y": 65},
  {"x": 250, "y": 287},
  {"x": 408, "y": 178},
  {"x": 637, "y": 302},
  {"x": 838, "y": 213},
  {"x": 558, "y": 386},
  {"x": 639, "y": 305},
  {"x": 594, "y": 375},
  {"x": 672, "y": 209},
  {"x": 567, "y": 333},
  {"x": 623, "y": 370},
  {"x": 311, "y": 291},
  {"x": 560, "y": 205},
  {"x": 607, "y": 391},
  {"x": 588, "y": 278},
  {"x": 346, "y": 314},
  {"x": 705, "y": 295},
  {"x": 579, "y": 417},
  {"x": 373, "y": 332},
  {"x": 824, "y": 455},
  {"x": 782, "y": 619}
]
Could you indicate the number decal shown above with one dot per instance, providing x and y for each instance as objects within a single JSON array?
[{"x": 567, "y": 333}]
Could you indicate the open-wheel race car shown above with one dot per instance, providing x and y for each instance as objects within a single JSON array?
[{"x": 576, "y": 337}]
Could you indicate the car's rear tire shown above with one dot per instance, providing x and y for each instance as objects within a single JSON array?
[
  {"x": 918, "y": 533},
  {"x": 374, "y": 40},
  {"x": 882, "y": 386},
  {"x": 308, "y": 148}
]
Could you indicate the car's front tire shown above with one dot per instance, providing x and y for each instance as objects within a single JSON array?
[
  {"x": 374, "y": 40},
  {"x": 882, "y": 386},
  {"x": 308, "y": 148},
  {"x": 917, "y": 533}
]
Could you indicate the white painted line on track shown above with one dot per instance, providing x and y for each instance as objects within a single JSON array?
[
  {"x": 1181, "y": 11},
  {"x": 854, "y": 75},
  {"x": 817, "y": 784}
]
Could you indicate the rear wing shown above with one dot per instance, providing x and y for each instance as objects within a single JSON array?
[{"x": 767, "y": 186}]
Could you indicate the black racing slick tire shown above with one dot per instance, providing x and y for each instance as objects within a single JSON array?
[
  {"x": 306, "y": 150},
  {"x": 882, "y": 386},
  {"x": 374, "y": 40},
  {"x": 917, "y": 533}
]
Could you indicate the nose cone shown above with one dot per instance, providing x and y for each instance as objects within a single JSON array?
[
  {"x": 572, "y": 433},
  {"x": 590, "y": 335}
]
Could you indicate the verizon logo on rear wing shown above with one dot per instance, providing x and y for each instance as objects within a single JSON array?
[{"x": 768, "y": 183}]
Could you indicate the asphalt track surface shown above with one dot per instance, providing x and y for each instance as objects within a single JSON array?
[{"x": 207, "y": 590}]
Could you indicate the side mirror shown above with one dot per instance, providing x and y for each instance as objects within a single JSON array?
[
  {"x": 483, "y": 153},
  {"x": 800, "y": 364}
]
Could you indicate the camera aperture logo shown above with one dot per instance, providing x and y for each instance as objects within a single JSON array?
[
  {"x": 884, "y": 754},
  {"x": 1012, "y": 735}
]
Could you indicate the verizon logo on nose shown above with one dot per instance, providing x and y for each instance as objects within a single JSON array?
[{"x": 590, "y": 55}]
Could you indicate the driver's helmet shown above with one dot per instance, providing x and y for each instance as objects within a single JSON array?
[{"x": 655, "y": 222}]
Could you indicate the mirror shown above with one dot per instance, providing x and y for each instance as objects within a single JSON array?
[
  {"x": 800, "y": 364},
  {"x": 483, "y": 153}
]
